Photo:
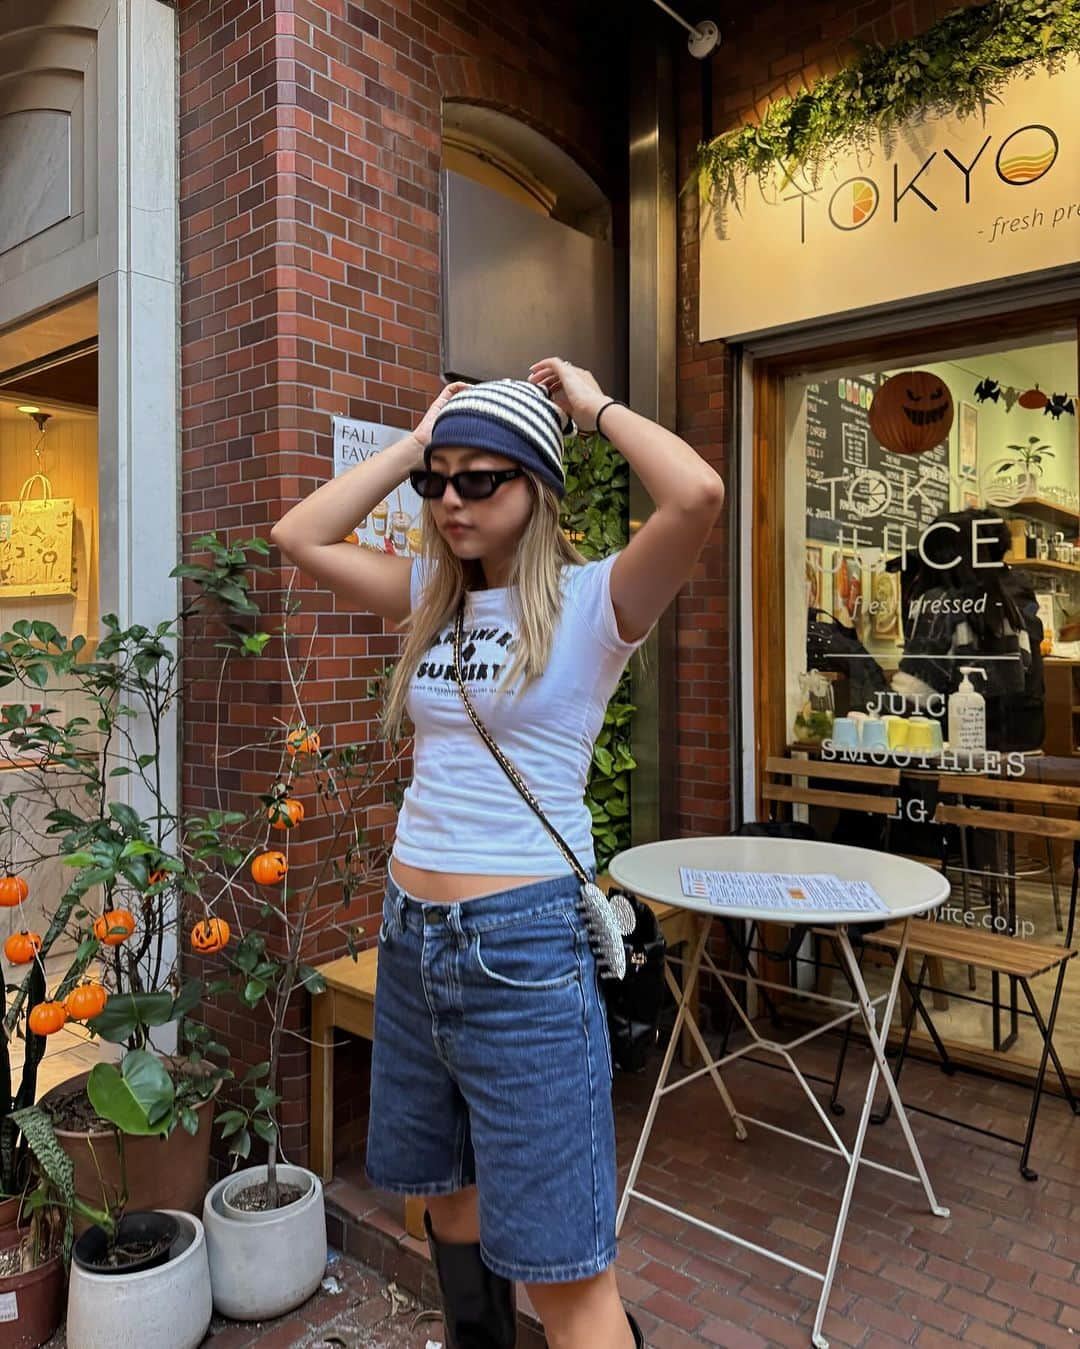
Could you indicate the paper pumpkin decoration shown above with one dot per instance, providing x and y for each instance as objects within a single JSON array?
[
  {"x": 47, "y": 1018},
  {"x": 85, "y": 1001},
  {"x": 114, "y": 926},
  {"x": 13, "y": 890},
  {"x": 912, "y": 412},
  {"x": 269, "y": 868},
  {"x": 1032, "y": 399},
  {"x": 21, "y": 947},
  {"x": 210, "y": 934}
]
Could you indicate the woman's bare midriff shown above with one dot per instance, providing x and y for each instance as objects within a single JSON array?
[{"x": 441, "y": 887}]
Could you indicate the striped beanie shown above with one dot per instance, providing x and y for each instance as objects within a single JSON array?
[{"x": 509, "y": 417}]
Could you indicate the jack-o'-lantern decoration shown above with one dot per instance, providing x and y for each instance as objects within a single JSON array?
[
  {"x": 912, "y": 412},
  {"x": 47, "y": 1018},
  {"x": 303, "y": 741},
  {"x": 1033, "y": 399},
  {"x": 286, "y": 813},
  {"x": 269, "y": 868},
  {"x": 21, "y": 947},
  {"x": 85, "y": 1002},
  {"x": 210, "y": 934},
  {"x": 114, "y": 926},
  {"x": 13, "y": 890}
]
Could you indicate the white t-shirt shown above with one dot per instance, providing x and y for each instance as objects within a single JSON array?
[{"x": 461, "y": 813}]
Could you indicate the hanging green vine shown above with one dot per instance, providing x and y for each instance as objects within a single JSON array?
[
  {"x": 596, "y": 516},
  {"x": 957, "y": 66}
]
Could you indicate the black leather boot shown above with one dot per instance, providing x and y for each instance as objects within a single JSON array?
[{"x": 479, "y": 1307}]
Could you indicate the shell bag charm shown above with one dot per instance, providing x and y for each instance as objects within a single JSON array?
[{"x": 608, "y": 919}]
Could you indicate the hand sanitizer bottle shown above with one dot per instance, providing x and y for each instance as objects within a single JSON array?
[{"x": 967, "y": 713}]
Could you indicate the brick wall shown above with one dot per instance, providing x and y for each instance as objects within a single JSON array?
[
  {"x": 767, "y": 50},
  {"x": 310, "y": 143}
]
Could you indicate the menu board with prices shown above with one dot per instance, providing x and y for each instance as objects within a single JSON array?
[{"x": 855, "y": 488}]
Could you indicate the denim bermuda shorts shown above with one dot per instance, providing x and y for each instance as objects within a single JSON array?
[{"x": 492, "y": 1066}]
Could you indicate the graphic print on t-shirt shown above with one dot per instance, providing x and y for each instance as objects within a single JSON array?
[{"x": 486, "y": 651}]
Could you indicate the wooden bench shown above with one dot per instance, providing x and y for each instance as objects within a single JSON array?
[
  {"x": 348, "y": 1004},
  {"x": 936, "y": 940}
]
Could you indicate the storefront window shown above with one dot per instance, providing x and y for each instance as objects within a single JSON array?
[
  {"x": 49, "y": 573},
  {"x": 932, "y": 511}
]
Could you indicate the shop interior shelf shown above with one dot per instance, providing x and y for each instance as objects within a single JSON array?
[
  {"x": 1041, "y": 564},
  {"x": 1049, "y": 512}
]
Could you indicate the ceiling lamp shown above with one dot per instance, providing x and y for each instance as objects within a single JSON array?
[
  {"x": 36, "y": 413},
  {"x": 704, "y": 37}
]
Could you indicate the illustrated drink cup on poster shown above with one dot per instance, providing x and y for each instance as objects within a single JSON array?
[{"x": 399, "y": 530}]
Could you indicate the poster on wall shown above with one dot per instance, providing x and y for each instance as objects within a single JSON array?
[
  {"x": 858, "y": 494},
  {"x": 394, "y": 525},
  {"x": 968, "y": 440}
]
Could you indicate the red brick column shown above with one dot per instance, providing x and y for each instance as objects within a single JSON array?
[{"x": 310, "y": 147}]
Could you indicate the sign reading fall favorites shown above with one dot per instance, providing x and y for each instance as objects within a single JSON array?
[{"x": 941, "y": 204}]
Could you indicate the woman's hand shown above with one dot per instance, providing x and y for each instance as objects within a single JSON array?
[
  {"x": 422, "y": 434},
  {"x": 572, "y": 389}
]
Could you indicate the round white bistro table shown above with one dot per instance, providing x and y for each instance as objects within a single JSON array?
[{"x": 908, "y": 890}]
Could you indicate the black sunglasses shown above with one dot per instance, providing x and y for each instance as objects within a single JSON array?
[{"x": 471, "y": 484}]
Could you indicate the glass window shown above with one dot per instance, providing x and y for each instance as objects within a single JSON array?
[{"x": 932, "y": 509}]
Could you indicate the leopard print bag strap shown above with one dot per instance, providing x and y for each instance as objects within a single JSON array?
[{"x": 608, "y": 919}]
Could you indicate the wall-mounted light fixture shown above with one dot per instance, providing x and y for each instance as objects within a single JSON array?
[{"x": 704, "y": 37}]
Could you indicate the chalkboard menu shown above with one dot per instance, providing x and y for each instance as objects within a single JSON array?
[{"x": 854, "y": 484}]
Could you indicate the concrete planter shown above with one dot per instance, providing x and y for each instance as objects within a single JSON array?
[
  {"x": 168, "y": 1307},
  {"x": 263, "y": 1265}
]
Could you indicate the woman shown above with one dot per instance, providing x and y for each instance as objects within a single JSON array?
[{"x": 491, "y": 1074}]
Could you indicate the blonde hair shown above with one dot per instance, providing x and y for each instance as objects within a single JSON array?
[{"x": 542, "y": 551}]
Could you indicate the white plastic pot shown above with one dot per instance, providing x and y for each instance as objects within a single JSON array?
[
  {"x": 263, "y": 1265},
  {"x": 168, "y": 1307}
]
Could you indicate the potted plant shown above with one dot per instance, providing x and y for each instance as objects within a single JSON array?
[
  {"x": 265, "y": 1225},
  {"x": 14, "y": 1153},
  {"x": 32, "y": 1258},
  {"x": 1026, "y": 461},
  {"x": 136, "y": 1277},
  {"x": 94, "y": 758}
]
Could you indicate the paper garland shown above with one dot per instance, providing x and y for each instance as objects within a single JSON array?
[{"x": 1052, "y": 404}]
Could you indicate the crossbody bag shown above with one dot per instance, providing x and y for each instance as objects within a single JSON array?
[{"x": 623, "y": 932}]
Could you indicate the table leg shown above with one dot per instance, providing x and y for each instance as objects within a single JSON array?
[
  {"x": 322, "y": 1085},
  {"x": 683, "y": 1020},
  {"x": 880, "y": 1070}
]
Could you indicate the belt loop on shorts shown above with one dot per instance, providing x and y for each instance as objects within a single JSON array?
[
  {"x": 453, "y": 922},
  {"x": 400, "y": 900}
]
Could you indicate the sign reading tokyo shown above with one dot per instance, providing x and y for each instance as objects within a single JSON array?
[{"x": 939, "y": 205}]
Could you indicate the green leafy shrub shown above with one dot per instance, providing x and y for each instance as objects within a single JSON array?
[{"x": 596, "y": 516}]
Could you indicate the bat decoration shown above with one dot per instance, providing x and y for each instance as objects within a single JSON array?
[
  {"x": 1058, "y": 403},
  {"x": 992, "y": 391}
]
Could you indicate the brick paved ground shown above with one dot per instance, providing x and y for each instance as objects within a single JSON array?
[{"x": 1004, "y": 1269}]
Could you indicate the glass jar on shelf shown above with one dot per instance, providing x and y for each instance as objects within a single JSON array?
[{"x": 817, "y": 708}]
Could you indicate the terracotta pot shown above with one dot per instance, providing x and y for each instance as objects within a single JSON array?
[
  {"x": 31, "y": 1304},
  {"x": 162, "y": 1173},
  {"x": 9, "y": 1215}
]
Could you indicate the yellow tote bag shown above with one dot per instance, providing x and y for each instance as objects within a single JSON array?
[{"x": 36, "y": 542}]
